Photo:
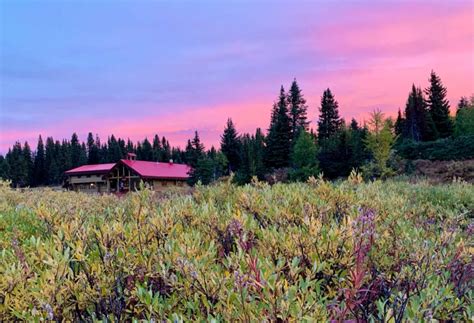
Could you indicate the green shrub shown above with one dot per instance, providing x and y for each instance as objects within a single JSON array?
[
  {"x": 316, "y": 251},
  {"x": 458, "y": 148}
]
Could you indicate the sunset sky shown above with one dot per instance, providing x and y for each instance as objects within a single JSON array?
[{"x": 136, "y": 68}]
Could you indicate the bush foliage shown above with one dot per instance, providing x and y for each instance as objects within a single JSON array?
[
  {"x": 383, "y": 251},
  {"x": 459, "y": 148}
]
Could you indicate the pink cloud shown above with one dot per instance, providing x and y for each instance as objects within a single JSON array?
[{"x": 371, "y": 58}]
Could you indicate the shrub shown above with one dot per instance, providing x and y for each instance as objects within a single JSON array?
[
  {"x": 458, "y": 148},
  {"x": 377, "y": 251}
]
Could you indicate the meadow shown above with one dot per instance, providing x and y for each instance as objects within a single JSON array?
[{"x": 381, "y": 251}]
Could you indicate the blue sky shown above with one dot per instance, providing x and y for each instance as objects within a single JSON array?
[{"x": 135, "y": 68}]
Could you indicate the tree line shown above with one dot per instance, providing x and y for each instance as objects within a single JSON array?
[{"x": 290, "y": 149}]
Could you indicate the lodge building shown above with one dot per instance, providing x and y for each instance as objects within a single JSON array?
[{"x": 125, "y": 176}]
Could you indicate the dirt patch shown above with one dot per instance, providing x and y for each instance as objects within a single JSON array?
[{"x": 441, "y": 171}]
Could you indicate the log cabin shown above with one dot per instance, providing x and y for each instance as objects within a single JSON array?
[{"x": 125, "y": 176}]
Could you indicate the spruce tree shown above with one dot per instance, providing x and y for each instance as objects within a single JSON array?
[
  {"x": 463, "y": 103},
  {"x": 419, "y": 125},
  {"x": 259, "y": 154},
  {"x": 130, "y": 147},
  {"x": 92, "y": 150},
  {"x": 399, "y": 124},
  {"x": 4, "y": 168},
  {"x": 28, "y": 165},
  {"x": 64, "y": 160},
  {"x": 464, "y": 122},
  {"x": 165, "y": 150},
  {"x": 114, "y": 151},
  {"x": 146, "y": 152},
  {"x": 83, "y": 155},
  {"x": 230, "y": 146},
  {"x": 51, "y": 160},
  {"x": 75, "y": 151},
  {"x": 438, "y": 106},
  {"x": 246, "y": 170},
  {"x": 278, "y": 141},
  {"x": 359, "y": 152},
  {"x": 18, "y": 169},
  {"x": 297, "y": 110},
  {"x": 176, "y": 155},
  {"x": 156, "y": 148},
  {"x": 303, "y": 157},
  {"x": 329, "y": 121},
  {"x": 39, "y": 172},
  {"x": 194, "y": 150}
]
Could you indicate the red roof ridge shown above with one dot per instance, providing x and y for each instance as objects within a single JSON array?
[
  {"x": 146, "y": 169},
  {"x": 153, "y": 169}
]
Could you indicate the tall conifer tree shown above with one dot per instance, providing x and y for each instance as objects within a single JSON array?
[
  {"x": 278, "y": 141},
  {"x": 438, "y": 106},
  {"x": 230, "y": 146},
  {"x": 297, "y": 110},
  {"x": 92, "y": 150},
  {"x": 146, "y": 151},
  {"x": 28, "y": 164},
  {"x": 39, "y": 173},
  {"x": 329, "y": 121},
  {"x": 399, "y": 124},
  {"x": 156, "y": 148},
  {"x": 419, "y": 125}
]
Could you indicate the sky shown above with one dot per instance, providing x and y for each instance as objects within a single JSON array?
[{"x": 136, "y": 68}]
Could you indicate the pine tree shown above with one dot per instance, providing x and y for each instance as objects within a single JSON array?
[
  {"x": 197, "y": 145},
  {"x": 246, "y": 170},
  {"x": 297, "y": 110},
  {"x": 75, "y": 151},
  {"x": 50, "y": 157},
  {"x": 329, "y": 121},
  {"x": 39, "y": 172},
  {"x": 146, "y": 152},
  {"x": 83, "y": 155},
  {"x": 18, "y": 169},
  {"x": 194, "y": 150},
  {"x": 64, "y": 160},
  {"x": 203, "y": 171},
  {"x": 4, "y": 168},
  {"x": 419, "y": 125},
  {"x": 156, "y": 148},
  {"x": 399, "y": 124},
  {"x": 28, "y": 165},
  {"x": 176, "y": 155},
  {"x": 303, "y": 157},
  {"x": 114, "y": 151},
  {"x": 278, "y": 141},
  {"x": 230, "y": 146},
  {"x": 258, "y": 156},
  {"x": 464, "y": 122},
  {"x": 92, "y": 150},
  {"x": 438, "y": 106},
  {"x": 359, "y": 152},
  {"x": 463, "y": 103},
  {"x": 166, "y": 150},
  {"x": 130, "y": 147}
]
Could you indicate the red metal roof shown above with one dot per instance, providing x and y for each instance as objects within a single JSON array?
[
  {"x": 147, "y": 169},
  {"x": 91, "y": 169}
]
